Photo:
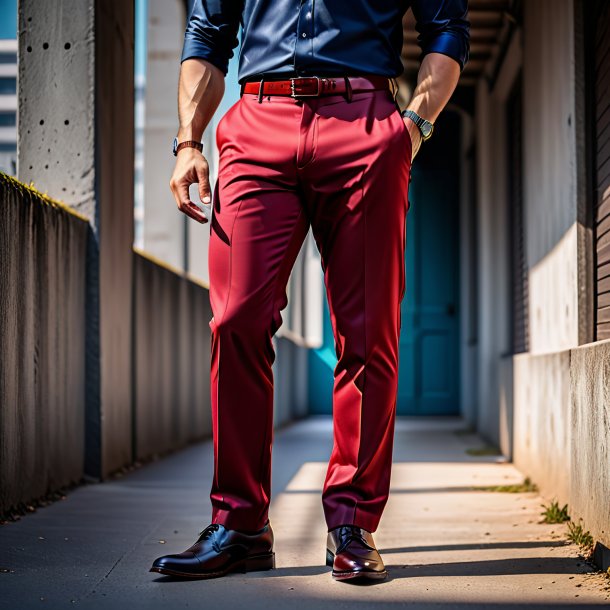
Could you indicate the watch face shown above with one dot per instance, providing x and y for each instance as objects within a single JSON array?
[
  {"x": 426, "y": 129},
  {"x": 175, "y": 145}
]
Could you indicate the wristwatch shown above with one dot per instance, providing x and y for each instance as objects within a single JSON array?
[
  {"x": 425, "y": 127},
  {"x": 187, "y": 144}
]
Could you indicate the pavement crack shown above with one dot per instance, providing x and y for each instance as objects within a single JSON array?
[{"x": 133, "y": 547}]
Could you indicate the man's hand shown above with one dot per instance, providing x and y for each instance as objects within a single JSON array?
[
  {"x": 416, "y": 138},
  {"x": 200, "y": 89},
  {"x": 191, "y": 167}
]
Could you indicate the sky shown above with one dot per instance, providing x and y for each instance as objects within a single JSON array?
[
  {"x": 8, "y": 19},
  {"x": 140, "y": 34}
]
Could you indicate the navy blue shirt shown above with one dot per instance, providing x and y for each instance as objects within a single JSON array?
[{"x": 283, "y": 38}]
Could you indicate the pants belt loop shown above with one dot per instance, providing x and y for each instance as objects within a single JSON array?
[
  {"x": 260, "y": 91},
  {"x": 348, "y": 89},
  {"x": 395, "y": 89}
]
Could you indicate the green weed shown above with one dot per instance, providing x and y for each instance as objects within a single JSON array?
[
  {"x": 553, "y": 513},
  {"x": 516, "y": 488},
  {"x": 578, "y": 535}
]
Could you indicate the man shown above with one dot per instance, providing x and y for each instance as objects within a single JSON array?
[{"x": 316, "y": 139}]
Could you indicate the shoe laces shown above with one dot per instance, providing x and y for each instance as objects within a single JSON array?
[
  {"x": 349, "y": 534},
  {"x": 208, "y": 531}
]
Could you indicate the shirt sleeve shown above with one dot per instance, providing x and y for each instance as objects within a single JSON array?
[
  {"x": 211, "y": 31},
  {"x": 443, "y": 27}
]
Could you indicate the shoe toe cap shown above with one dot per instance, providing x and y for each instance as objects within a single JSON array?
[
  {"x": 174, "y": 562},
  {"x": 358, "y": 562}
]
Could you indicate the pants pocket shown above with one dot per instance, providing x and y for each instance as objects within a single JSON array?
[{"x": 409, "y": 145}]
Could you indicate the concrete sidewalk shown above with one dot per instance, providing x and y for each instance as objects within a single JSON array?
[{"x": 445, "y": 545}]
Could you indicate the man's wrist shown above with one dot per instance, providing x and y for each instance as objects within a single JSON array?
[
  {"x": 178, "y": 145},
  {"x": 425, "y": 127},
  {"x": 412, "y": 128},
  {"x": 414, "y": 135}
]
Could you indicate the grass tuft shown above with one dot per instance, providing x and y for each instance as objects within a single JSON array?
[
  {"x": 516, "y": 488},
  {"x": 578, "y": 535},
  {"x": 553, "y": 513}
]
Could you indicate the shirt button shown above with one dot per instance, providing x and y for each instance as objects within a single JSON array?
[{"x": 304, "y": 35}]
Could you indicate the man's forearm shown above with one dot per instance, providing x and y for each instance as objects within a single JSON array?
[
  {"x": 436, "y": 81},
  {"x": 201, "y": 87}
]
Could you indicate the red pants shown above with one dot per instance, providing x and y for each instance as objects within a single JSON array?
[{"x": 343, "y": 168}]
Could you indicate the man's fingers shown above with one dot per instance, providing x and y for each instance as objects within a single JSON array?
[
  {"x": 191, "y": 210},
  {"x": 191, "y": 169},
  {"x": 204, "y": 184},
  {"x": 182, "y": 194},
  {"x": 186, "y": 205}
]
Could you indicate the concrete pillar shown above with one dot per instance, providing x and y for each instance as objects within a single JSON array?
[
  {"x": 76, "y": 106},
  {"x": 494, "y": 306},
  {"x": 493, "y": 336}
]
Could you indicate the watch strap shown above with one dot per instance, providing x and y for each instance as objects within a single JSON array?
[
  {"x": 188, "y": 144},
  {"x": 420, "y": 122}
]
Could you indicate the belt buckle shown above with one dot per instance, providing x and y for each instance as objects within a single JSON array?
[{"x": 293, "y": 92}]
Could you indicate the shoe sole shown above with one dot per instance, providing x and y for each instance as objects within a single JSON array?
[
  {"x": 360, "y": 575},
  {"x": 255, "y": 563}
]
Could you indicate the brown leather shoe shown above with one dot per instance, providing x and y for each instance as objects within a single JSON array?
[
  {"x": 351, "y": 552},
  {"x": 219, "y": 551}
]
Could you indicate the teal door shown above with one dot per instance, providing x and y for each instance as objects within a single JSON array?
[{"x": 429, "y": 343}]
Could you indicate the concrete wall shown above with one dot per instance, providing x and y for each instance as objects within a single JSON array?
[
  {"x": 76, "y": 143},
  {"x": 43, "y": 390},
  {"x": 42, "y": 346},
  {"x": 561, "y": 391},
  {"x": 590, "y": 442},
  {"x": 562, "y": 430},
  {"x": 542, "y": 421},
  {"x": 494, "y": 412},
  {"x": 171, "y": 359},
  {"x": 551, "y": 210},
  {"x": 550, "y": 176}
]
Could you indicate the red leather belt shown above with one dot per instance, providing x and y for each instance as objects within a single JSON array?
[{"x": 314, "y": 86}]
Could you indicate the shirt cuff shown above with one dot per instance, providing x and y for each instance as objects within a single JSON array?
[
  {"x": 448, "y": 43},
  {"x": 194, "y": 49}
]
